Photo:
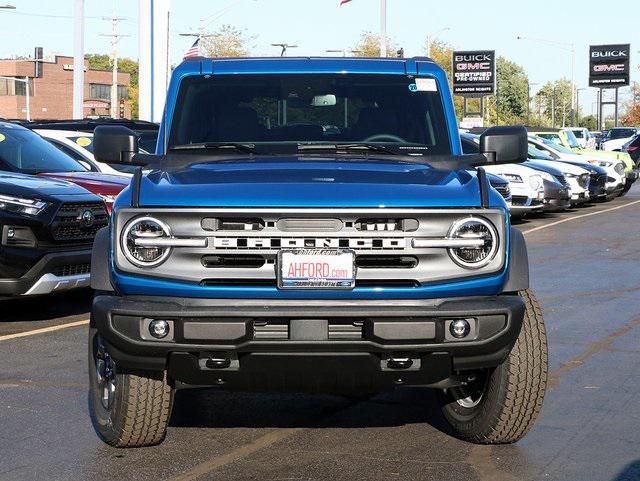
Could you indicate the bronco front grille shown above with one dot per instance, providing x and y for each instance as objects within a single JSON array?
[
  {"x": 240, "y": 247},
  {"x": 78, "y": 222}
]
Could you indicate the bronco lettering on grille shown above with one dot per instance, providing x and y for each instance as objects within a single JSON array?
[{"x": 300, "y": 242}]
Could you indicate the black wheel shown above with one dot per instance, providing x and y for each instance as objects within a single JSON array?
[
  {"x": 127, "y": 408},
  {"x": 500, "y": 405}
]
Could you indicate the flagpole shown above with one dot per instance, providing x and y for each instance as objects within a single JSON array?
[{"x": 383, "y": 28}]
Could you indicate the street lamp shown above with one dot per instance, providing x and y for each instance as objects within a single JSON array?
[
  {"x": 568, "y": 47},
  {"x": 432, "y": 37},
  {"x": 284, "y": 47},
  {"x": 343, "y": 51}
]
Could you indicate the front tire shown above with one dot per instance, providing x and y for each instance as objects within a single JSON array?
[
  {"x": 127, "y": 408},
  {"x": 502, "y": 403}
]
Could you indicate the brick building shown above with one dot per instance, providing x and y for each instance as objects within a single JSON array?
[{"x": 51, "y": 95}]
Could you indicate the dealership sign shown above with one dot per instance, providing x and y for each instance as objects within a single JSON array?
[
  {"x": 609, "y": 65},
  {"x": 474, "y": 73}
]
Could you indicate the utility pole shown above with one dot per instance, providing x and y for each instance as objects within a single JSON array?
[
  {"x": 78, "y": 60},
  {"x": 383, "y": 28},
  {"x": 115, "y": 38}
]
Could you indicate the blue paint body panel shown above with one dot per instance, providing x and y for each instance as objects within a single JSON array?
[{"x": 329, "y": 181}]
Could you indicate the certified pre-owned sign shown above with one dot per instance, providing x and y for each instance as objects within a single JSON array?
[
  {"x": 609, "y": 65},
  {"x": 474, "y": 72}
]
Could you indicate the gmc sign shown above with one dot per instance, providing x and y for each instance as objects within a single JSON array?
[
  {"x": 609, "y": 65},
  {"x": 474, "y": 73}
]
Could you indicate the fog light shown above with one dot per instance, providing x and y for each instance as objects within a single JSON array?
[
  {"x": 159, "y": 328},
  {"x": 460, "y": 328}
]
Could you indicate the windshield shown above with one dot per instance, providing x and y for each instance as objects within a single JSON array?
[
  {"x": 557, "y": 147},
  {"x": 573, "y": 141},
  {"x": 552, "y": 137},
  {"x": 578, "y": 133},
  {"x": 24, "y": 151},
  {"x": 621, "y": 133},
  {"x": 401, "y": 112}
]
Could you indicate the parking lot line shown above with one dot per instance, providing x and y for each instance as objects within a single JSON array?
[
  {"x": 43, "y": 330},
  {"x": 576, "y": 217}
]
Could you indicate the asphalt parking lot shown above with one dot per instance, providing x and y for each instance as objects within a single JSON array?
[{"x": 586, "y": 273}]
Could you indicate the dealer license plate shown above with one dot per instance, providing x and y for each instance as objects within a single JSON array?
[{"x": 316, "y": 269}]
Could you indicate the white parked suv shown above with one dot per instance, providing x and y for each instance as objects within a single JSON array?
[
  {"x": 617, "y": 137},
  {"x": 79, "y": 146},
  {"x": 526, "y": 185}
]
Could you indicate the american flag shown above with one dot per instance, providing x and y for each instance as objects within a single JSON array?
[{"x": 194, "y": 51}]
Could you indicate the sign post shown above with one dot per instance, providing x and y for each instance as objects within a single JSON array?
[
  {"x": 474, "y": 75},
  {"x": 609, "y": 68}
]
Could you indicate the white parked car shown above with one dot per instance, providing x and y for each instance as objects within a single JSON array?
[
  {"x": 585, "y": 139},
  {"x": 526, "y": 185},
  {"x": 577, "y": 178},
  {"x": 79, "y": 146},
  {"x": 616, "y": 178},
  {"x": 617, "y": 137}
]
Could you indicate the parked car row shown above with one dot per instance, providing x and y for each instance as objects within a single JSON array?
[
  {"x": 54, "y": 197},
  {"x": 557, "y": 177}
]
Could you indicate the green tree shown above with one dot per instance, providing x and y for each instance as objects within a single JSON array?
[
  {"x": 369, "y": 46},
  {"x": 228, "y": 41},
  {"x": 589, "y": 121},
  {"x": 555, "y": 101},
  {"x": 441, "y": 53},
  {"x": 103, "y": 62},
  {"x": 511, "y": 102}
]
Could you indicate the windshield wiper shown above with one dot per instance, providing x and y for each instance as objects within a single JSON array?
[
  {"x": 352, "y": 146},
  {"x": 240, "y": 147}
]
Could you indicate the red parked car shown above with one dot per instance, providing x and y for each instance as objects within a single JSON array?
[{"x": 24, "y": 151}]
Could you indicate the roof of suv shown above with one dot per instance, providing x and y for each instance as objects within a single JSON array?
[{"x": 311, "y": 65}]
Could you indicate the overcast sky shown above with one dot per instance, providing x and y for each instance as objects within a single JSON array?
[{"x": 317, "y": 25}]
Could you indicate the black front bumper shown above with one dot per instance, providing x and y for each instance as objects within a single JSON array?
[
  {"x": 70, "y": 269},
  {"x": 308, "y": 344}
]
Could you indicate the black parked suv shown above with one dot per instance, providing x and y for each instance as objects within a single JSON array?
[{"x": 47, "y": 229}]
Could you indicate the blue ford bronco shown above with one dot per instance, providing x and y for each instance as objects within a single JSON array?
[{"x": 311, "y": 225}]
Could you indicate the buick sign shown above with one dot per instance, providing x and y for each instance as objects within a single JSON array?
[
  {"x": 609, "y": 65},
  {"x": 474, "y": 73}
]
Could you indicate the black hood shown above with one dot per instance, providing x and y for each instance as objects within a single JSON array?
[{"x": 31, "y": 186}]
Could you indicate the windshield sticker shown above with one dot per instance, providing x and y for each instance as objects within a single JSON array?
[
  {"x": 413, "y": 87},
  {"x": 83, "y": 141},
  {"x": 426, "y": 85},
  {"x": 2, "y": 137}
]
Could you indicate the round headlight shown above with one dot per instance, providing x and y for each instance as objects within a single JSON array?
[
  {"x": 139, "y": 252},
  {"x": 474, "y": 229}
]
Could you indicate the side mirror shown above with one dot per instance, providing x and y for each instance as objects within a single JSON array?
[
  {"x": 504, "y": 145},
  {"x": 115, "y": 144}
]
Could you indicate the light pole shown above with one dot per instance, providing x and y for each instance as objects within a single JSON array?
[
  {"x": 568, "y": 47},
  {"x": 529, "y": 84},
  {"x": 432, "y": 36},
  {"x": 383, "y": 28},
  {"x": 578, "y": 105}
]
